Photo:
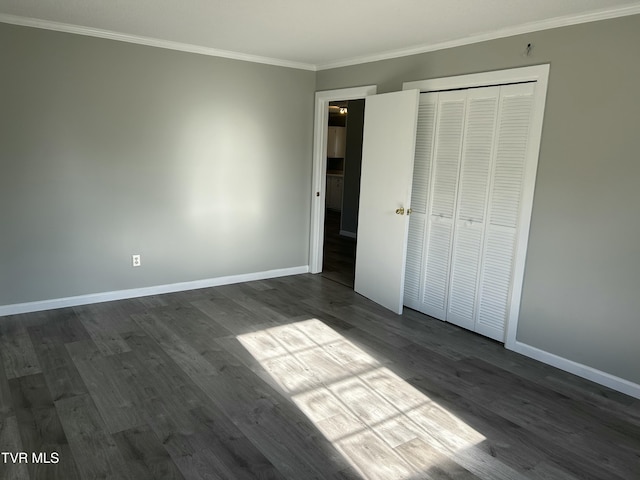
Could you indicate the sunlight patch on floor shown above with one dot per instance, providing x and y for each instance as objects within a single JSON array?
[{"x": 386, "y": 428}]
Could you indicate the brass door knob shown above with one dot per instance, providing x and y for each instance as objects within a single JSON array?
[{"x": 400, "y": 211}]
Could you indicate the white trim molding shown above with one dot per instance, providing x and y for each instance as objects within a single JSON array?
[
  {"x": 146, "y": 291},
  {"x": 320, "y": 132},
  {"x": 530, "y": 27},
  {"x": 149, "y": 41},
  {"x": 535, "y": 73},
  {"x": 584, "y": 371}
]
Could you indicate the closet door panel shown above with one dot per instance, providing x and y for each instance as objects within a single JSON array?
[
  {"x": 511, "y": 154},
  {"x": 446, "y": 161},
  {"x": 449, "y": 130},
  {"x": 464, "y": 275},
  {"x": 419, "y": 195},
  {"x": 496, "y": 278},
  {"x": 495, "y": 285},
  {"x": 413, "y": 271},
  {"x": 437, "y": 264},
  {"x": 480, "y": 127},
  {"x": 477, "y": 151},
  {"x": 424, "y": 152}
]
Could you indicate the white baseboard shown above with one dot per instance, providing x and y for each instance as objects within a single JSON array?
[
  {"x": 146, "y": 291},
  {"x": 346, "y": 233},
  {"x": 584, "y": 371}
]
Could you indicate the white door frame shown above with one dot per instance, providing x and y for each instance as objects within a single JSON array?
[
  {"x": 540, "y": 75},
  {"x": 320, "y": 132}
]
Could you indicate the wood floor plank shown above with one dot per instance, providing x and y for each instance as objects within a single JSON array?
[
  {"x": 234, "y": 346},
  {"x": 158, "y": 381},
  {"x": 10, "y": 442},
  {"x": 58, "y": 369},
  {"x": 432, "y": 335},
  {"x": 104, "y": 335},
  {"x": 231, "y": 315},
  {"x": 94, "y": 450},
  {"x": 264, "y": 313},
  {"x": 40, "y": 429},
  {"x": 61, "y": 326},
  {"x": 237, "y": 456},
  {"x": 116, "y": 315},
  {"x": 372, "y": 457},
  {"x": 181, "y": 352},
  {"x": 429, "y": 463},
  {"x": 191, "y": 324},
  {"x": 288, "y": 304},
  {"x": 6, "y": 402},
  {"x": 367, "y": 322},
  {"x": 106, "y": 379},
  {"x": 145, "y": 456},
  {"x": 275, "y": 429},
  {"x": 18, "y": 356}
]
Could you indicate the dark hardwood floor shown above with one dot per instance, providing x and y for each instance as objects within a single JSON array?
[
  {"x": 295, "y": 377},
  {"x": 339, "y": 252}
]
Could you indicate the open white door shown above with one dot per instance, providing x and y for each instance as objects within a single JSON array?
[{"x": 388, "y": 149}]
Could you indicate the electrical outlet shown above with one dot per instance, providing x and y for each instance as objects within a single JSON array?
[{"x": 135, "y": 260}]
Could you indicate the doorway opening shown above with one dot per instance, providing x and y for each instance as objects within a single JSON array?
[
  {"x": 320, "y": 164},
  {"x": 344, "y": 160}
]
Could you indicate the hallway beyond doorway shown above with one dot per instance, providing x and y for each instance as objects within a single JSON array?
[{"x": 339, "y": 257}]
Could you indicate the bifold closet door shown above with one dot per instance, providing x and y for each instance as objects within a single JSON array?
[
  {"x": 413, "y": 286},
  {"x": 471, "y": 204},
  {"x": 439, "y": 142},
  {"x": 504, "y": 213},
  {"x": 441, "y": 209},
  {"x": 469, "y": 173}
]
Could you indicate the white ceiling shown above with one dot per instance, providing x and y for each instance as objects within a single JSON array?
[{"x": 308, "y": 34}]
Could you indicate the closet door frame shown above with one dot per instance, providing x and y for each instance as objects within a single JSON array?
[{"x": 540, "y": 75}]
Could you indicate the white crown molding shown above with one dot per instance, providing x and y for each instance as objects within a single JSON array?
[
  {"x": 39, "y": 306},
  {"x": 151, "y": 42},
  {"x": 557, "y": 22},
  {"x": 483, "y": 37}
]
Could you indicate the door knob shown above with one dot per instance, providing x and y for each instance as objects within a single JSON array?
[
  {"x": 409, "y": 210},
  {"x": 400, "y": 211}
]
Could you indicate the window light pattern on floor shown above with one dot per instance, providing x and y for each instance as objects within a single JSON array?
[{"x": 386, "y": 428}]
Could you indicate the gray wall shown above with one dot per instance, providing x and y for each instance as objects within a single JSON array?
[
  {"x": 202, "y": 165},
  {"x": 352, "y": 166},
  {"x": 581, "y": 295}
]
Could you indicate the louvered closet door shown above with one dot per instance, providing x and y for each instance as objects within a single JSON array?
[
  {"x": 471, "y": 205},
  {"x": 504, "y": 209},
  {"x": 441, "y": 202},
  {"x": 419, "y": 194},
  {"x": 469, "y": 173}
]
